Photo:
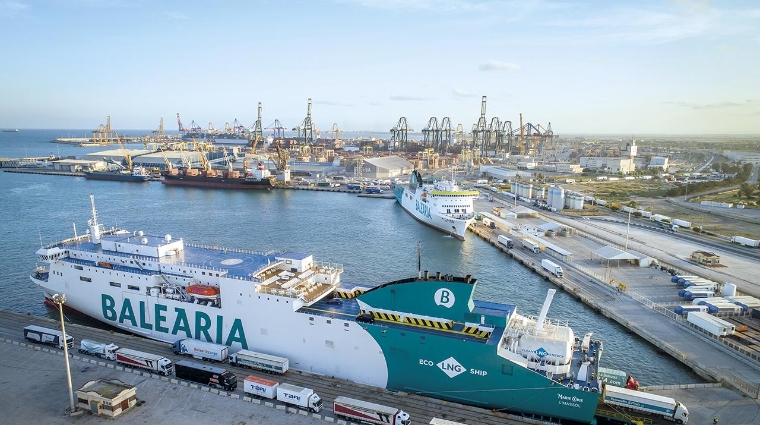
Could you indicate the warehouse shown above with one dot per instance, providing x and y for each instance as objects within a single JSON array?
[{"x": 385, "y": 168}]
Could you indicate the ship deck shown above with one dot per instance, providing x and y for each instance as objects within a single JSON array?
[
  {"x": 236, "y": 262},
  {"x": 348, "y": 309}
]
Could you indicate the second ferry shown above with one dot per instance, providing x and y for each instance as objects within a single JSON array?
[{"x": 442, "y": 204}]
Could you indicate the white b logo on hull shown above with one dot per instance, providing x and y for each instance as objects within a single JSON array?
[{"x": 444, "y": 297}]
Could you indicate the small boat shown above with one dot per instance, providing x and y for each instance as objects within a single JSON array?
[
  {"x": 203, "y": 291},
  {"x": 10, "y": 130}
]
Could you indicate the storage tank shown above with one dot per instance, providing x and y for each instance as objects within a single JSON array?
[
  {"x": 574, "y": 201},
  {"x": 556, "y": 197},
  {"x": 729, "y": 290}
]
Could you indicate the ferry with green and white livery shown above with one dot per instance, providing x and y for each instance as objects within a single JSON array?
[
  {"x": 442, "y": 204},
  {"x": 424, "y": 335}
]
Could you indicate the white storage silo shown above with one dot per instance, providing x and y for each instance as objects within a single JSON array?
[{"x": 556, "y": 197}]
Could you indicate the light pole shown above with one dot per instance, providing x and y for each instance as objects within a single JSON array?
[
  {"x": 59, "y": 300},
  {"x": 628, "y": 230}
]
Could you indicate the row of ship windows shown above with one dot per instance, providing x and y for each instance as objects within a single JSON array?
[
  {"x": 172, "y": 268},
  {"x": 114, "y": 284}
]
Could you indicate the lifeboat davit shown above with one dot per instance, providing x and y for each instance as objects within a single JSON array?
[{"x": 203, "y": 291}]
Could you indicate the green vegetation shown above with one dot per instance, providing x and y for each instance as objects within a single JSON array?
[{"x": 740, "y": 178}]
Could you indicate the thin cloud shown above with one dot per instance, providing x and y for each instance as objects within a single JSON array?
[
  {"x": 176, "y": 16},
  {"x": 718, "y": 105},
  {"x": 329, "y": 103},
  {"x": 404, "y": 98},
  {"x": 462, "y": 93},
  {"x": 498, "y": 66},
  {"x": 11, "y": 8}
]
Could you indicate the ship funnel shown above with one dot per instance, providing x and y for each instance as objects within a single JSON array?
[
  {"x": 93, "y": 223},
  {"x": 544, "y": 310}
]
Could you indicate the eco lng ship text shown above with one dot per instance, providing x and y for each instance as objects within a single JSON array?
[
  {"x": 424, "y": 334},
  {"x": 442, "y": 205}
]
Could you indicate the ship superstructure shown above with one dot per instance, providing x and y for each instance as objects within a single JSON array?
[
  {"x": 442, "y": 204},
  {"x": 424, "y": 335}
]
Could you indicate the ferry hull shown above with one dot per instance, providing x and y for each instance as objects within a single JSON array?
[
  {"x": 94, "y": 175},
  {"x": 217, "y": 182},
  {"x": 422, "y": 213}
]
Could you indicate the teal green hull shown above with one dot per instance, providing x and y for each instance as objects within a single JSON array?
[
  {"x": 438, "y": 358},
  {"x": 486, "y": 380}
]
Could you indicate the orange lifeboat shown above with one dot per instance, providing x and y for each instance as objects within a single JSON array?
[{"x": 203, "y": 291}]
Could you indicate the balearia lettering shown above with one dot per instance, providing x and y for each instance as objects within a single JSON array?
[
  {"x": 423, "y": 209},
  {"x": 198, "y": 326},
  {"x": 568, "y": 401}
]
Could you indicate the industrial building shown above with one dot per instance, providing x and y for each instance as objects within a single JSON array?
[
  {"x": 625, "y": 163},
  {"x": 386, "y": 167},
  {"x": 706, "y": 258},
  {"x": 106, "y": 397}
]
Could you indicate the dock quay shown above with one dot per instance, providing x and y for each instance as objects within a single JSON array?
[
  {"x": 631, "y": 306},
  {"x": 165, "y": 399}
]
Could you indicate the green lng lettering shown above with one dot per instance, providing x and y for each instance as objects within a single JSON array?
[{"x": 200, "y": 326}]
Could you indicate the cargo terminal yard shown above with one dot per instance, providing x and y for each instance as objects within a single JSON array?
[{"x": 596, "y": 260}]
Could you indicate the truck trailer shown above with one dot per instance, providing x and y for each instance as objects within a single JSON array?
[
  {"x": 201, "y": 350},
  {"x": 253, "y": 386},
  {"x": 505, "y": 241},
  {"x": 98, "y": 349},
  {"x": 745, "y": 241},
  {"x": 552, "y": 267},
  {"x": 711, "y": 324},
  {"x": 214, "y": 377},
  {"x": 682, "y": 223},
  {"x": 372, "y": 413},
  {"x": 139, "y": 359},
  {"x": 300, "y": 397},
  {"x": 260, "y": 361},
  {"x": 531, "y": 246},
  {"x": 664, "y": 407},
  {"x": 40, "y": 335},
  {"x": 438, "y": 421}
]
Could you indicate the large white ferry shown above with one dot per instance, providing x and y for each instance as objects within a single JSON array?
[
  {"x": 425, "y": 335},
  {"x": 442, "y": 204}
]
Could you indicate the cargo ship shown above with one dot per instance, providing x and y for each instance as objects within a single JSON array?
[
  {"x": 253, "y": 179},
  {"x": 442, "y": 205},
  {"x": 424, "y": 334},
  {"x": 138, "y": 174}
]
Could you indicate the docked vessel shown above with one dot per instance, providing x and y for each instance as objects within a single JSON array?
[
  {"x": 259, "y": 178},
  {"x": 423, "y": 335},
  {"x": 10, "y": 130},
  {"x": 442, "y": 204},
  {"x": 138, "y": 174}
]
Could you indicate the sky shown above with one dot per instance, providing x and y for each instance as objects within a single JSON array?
[{"x": 586, "y": 67}]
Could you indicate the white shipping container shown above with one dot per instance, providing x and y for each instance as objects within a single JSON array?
[
  {"x": 711, "y": 324},
  {"x": 260, "y": 387}
]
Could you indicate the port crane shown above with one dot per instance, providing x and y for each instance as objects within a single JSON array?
[
  {"x": 278, "y": 130},
  {"x": 255, "y": 135}
]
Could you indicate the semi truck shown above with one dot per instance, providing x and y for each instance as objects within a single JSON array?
[
  {"x": 681, "y": 223},
  {"x": 745, "y": 241},
  {"x": 214, "y": 377},
  {"x": 505, "y": 241},
  {"x": 531, "y": 246},
  {"x": 371, "y": 413},
  {"x": 142, "y": 360},
  {"x": 261, "y": 361},
  {"x": 98, "y": 349},
  {"x": 552, "y": 267},
  {"x": 642, "y": 402},
  {"x": 40, "y": 335},
  {"x": 300, "y": 397},
  {"x": 201, "y": 350},
  {"x": 306, "y": 398}
]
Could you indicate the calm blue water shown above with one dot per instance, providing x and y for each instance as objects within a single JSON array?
[{"x": 374, "y": 239}]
